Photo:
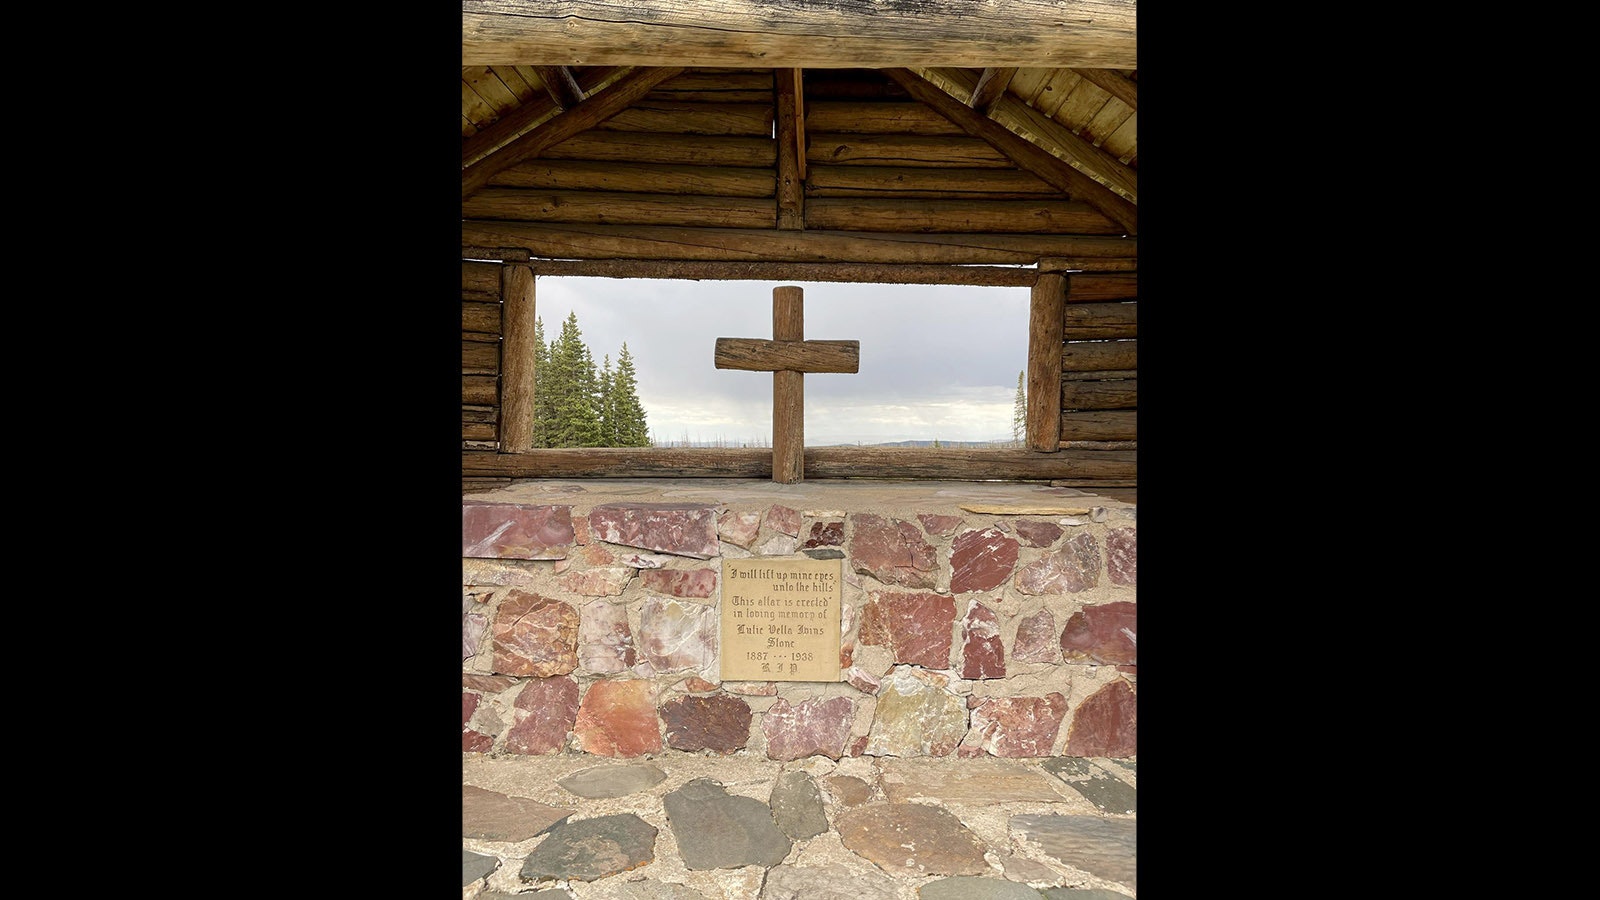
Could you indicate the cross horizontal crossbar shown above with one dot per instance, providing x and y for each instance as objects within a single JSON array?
[{"x": 756, "y": 355}]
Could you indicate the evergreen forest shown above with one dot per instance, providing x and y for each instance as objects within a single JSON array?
[{"x": 579, "y": 405}]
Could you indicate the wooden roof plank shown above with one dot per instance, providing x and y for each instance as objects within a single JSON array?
[
  {"x": 1023, "y": 152},
  {"x": 1014, "y": 115}
]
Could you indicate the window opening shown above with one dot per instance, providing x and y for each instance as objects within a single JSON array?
[{"x": 939, "y": 364}]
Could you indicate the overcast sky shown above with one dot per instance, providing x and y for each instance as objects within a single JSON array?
[{"x": 937, "y": 361}]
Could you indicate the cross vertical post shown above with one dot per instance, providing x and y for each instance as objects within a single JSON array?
[{"x": 788, "y": 356}]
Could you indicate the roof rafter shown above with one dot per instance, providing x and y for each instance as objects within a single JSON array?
[
  {"x": 591, "y": 112},
  {"x": 1022, "y": 119},
  {"x": 1020, "y": 150}
]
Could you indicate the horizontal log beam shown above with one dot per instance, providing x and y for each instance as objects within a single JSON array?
[
  {"x": 820, "y": 463},
  {"x": 689, "y": 149},
  {"x": 1099, "y": 34},
  {"x": 1078, "y": 395},
  {"x": 1095, "y": 287},
  {"x": 935, "y": 151},
  {"x": 667, "y": 117},
  {"x": 596, "y": 207},
  {"x": 1107, "y": 425},
  {"x": 1099, "y": 356},
  {"x": 635, "y": 177},
  {"x": 911, "y": 216},
  {"x": 483, "y": 318},
  {"x": 854, "y": 273},
  {"x": 1101, "y": 321},
  {"x": 854, "y": 117},
  {"x": 760, "y": 355},
  {"x": 739, "y": 244},
  {"x": 946, "y": 184}
]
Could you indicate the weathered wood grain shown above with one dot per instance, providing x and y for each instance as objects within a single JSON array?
[
  {"x": 737, "y": 244},
  {"x": 1044, "y": 361},
  {"x": 1086, "y": 33},
  {"x": 758, "y": 355},
  {"x": 1087, "y": 466}
]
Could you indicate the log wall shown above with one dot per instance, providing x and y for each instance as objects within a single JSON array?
[
  {"x": 480, "y": 354},
  {"x": 1099, "y": 359}
]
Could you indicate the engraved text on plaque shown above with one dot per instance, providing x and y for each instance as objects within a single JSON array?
[{"x": 780, "y": 619}]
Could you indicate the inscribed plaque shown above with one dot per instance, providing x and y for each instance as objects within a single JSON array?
[{"x": 780, "y": 619}]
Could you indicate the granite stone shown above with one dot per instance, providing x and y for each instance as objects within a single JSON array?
[
  {"x": 824, "y": 534},
  {"x": 604, "y": 582},
  {"x": 784, "y": 519},
  {"x": 1037, "y": 533},
  {"x": 739, "y": 528}
]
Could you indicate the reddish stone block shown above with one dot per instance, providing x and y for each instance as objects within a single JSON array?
[
  {"x": 542, "y": 716},
  {"x": 892, "y": 551},
  {"x": 605, "y": 640},
  {"x": 982, "y": 653},
  {"x": 469, "y": 705},
  {"x": 1122, "y": 556},
  {"x": 514, "y": 531},
  {"x": 682, "y": 529},
  {"x": 535, "y": 635},
  {"x": 940, "y": 525},
  {"x": 1036, "y": 639},
  {"x": 1104, "y": 635},
  {"x": 915, "y": 627},
  {"x": 486, "y": 684},
  {"x": 680, "y": 582},
  {"x": 739, "y": 528},
  {"x": 1018, "y": 726},
  {"x": 1035, "y": 533},
  {"x": 824, "y": 534},
  {"x": 784, "y": 519},
  {"x": 618, "y": 718},
  {"x": 1072, "y": 569},
  {"x": 718, "y": 723},
  {"x": 813, "y": 727},
  {"x": 1106, "y": 724},
  {"x": 981, "y": 560},
  {"x": 475, "y": 741}
]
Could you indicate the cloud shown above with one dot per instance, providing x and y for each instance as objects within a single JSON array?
[{"x": 937, "y": 361}]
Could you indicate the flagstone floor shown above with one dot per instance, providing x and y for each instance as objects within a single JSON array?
[{"x": 680, "y": 826}]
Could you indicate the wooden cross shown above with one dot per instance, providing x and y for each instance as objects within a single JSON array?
[{"x": 788, "y": 356}]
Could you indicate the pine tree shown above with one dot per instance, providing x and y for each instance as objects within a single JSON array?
[
  {"x": 572, "y": 390},
  {"x": 608, "y": 405},
  {"x": 1019, "y": 413},
  {"x": 541, "y": 390},
  {"x": 628, "y": 413}
]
